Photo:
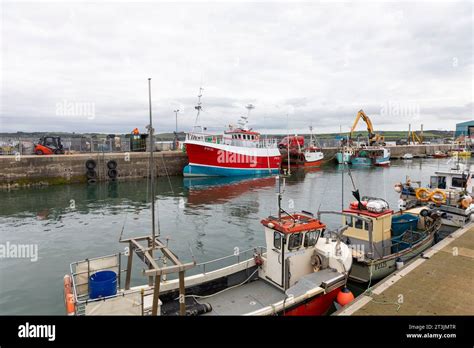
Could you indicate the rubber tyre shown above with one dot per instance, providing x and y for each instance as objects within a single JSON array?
[
  {"x": 91, "y": 174},
  {"x": 112, "y": 173},
  {"x": 90, "y": 164},
  {"x": 112, "y": 164}
]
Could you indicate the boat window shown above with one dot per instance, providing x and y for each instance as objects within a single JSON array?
[
  {"x": 277, "y": 240},
  {"x": 366, "y": 225},
  {"x": 240, "y": 136},
  {"x": 349, "y": 221},
  {"x": 458, "y": 182},
  {"x": 358, "y": 223},
  {"x": 294, "y": 241},
  {"x": 311, "y": 238}
]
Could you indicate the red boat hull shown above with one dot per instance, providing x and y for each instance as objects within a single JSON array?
[{"x": 318, "y": 305}]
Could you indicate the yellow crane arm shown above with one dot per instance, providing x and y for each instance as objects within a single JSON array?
[{"x": 367, "y": 121}]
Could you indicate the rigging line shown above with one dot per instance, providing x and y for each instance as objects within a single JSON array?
[
  {"x": 323, "y": 195},
  {"x": 123, "y": 226},
  {"x": 167, "y": 175}
]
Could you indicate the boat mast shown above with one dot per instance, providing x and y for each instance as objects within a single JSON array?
[
  {"x": 152, "y": 169},
  {"x": 198, "y": 107},
  {"x": 288, "y": 143}
]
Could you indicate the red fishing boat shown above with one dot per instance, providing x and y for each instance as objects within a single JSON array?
[
  {"x": 238, "y": 151},
  {"x": 295, "y": 153}
]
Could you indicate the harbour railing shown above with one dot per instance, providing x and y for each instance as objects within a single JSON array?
[
  {"x": 219, "y": 139},
  {"x": 26, "y": 145}
]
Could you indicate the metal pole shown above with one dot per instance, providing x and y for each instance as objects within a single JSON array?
[
  {"x": 152, "y": 170},
  {"x": 342, "y": 181},
  {"x": 176, "y": 130}
]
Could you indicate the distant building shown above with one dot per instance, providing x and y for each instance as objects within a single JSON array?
[{"x": 465, "y": 128}]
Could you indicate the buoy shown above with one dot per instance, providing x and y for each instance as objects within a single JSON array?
[
  {"x": 438, "y": 196},
  {"x": 398, "y": 187},
  {"x": 466, "y": 202},
  {"x": 399, "y": 263},
  {"x": 344, "y": 296},
  {"x": 422, "y": 194},
  {"x": 68, "y": 296}
]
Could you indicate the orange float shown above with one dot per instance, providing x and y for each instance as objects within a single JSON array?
[{"x": 69, "y": 296}]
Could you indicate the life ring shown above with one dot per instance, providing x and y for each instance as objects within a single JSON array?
[
  {"x": 90, "y": 164},
  {"x": 69, "y": 302},
  {"x": 423, "y": 194},
  {"x": 316, "y": 261},
  {"x": 435, "y": 196},
  {"x": 112, "y": 164}
]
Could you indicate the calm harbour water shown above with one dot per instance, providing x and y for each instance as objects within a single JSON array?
[{"x": 206, "y": 218}]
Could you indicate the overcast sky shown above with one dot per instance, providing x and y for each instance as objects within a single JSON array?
[{"x": 84, "y": 67}]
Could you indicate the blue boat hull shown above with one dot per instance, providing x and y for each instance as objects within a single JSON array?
[{"x": 198, "y": 170}]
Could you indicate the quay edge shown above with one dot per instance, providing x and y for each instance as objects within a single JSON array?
[{"x": 33, "y": 170}]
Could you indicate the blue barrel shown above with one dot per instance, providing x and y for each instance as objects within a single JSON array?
[
  {"x": 402, "y": 223},
  {"x": 102, "y": 284}
]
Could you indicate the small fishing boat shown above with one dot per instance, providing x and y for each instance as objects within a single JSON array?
[
  {"x": 440, "y": 154},
  {"x": 238, "y": 151},
  {"x": 381, "y": 238},
  {"x": 450, "y": 191},
  {"x": 407, "y": 156},
  {"x": 364, "y": 155},
  {"x": 297, "y": 154}
]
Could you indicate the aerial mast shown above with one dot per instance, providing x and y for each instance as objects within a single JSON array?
[{"x": 198, "y": 107}]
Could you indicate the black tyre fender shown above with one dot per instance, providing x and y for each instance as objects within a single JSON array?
[
  {"x": 91, "y": 174},
  {"x": 90, "y": 164},
  {"x": 112, "y": 173},
  {"x": 112, "y": 164}
]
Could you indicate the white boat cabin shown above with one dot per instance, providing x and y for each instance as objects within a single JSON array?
[{"x": 459, "y": 178}]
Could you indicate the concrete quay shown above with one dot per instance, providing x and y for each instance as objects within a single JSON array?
[{"x": 439, "y": 283}]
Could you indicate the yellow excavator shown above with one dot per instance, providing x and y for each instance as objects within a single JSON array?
[
  {"x": 415, "y": 138},
  {"x": 374, "y": 139}
]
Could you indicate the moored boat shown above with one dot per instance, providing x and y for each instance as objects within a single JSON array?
[
  {"x": 365, "y": 155},
  {"x": 381, "y": 238},
  {"x": 440, "y": 154},
  {"x": 295, "y": 153},
  {"x": 450, "y": 191},
  {"x": 238, "y": 151}
]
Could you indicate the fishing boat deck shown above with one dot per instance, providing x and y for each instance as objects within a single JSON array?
[
  {"x": 244, "y": 299},
  {"x": 440, "y": 284}
]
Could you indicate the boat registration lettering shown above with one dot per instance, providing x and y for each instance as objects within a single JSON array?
[{"x": 380, "y": 265}]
